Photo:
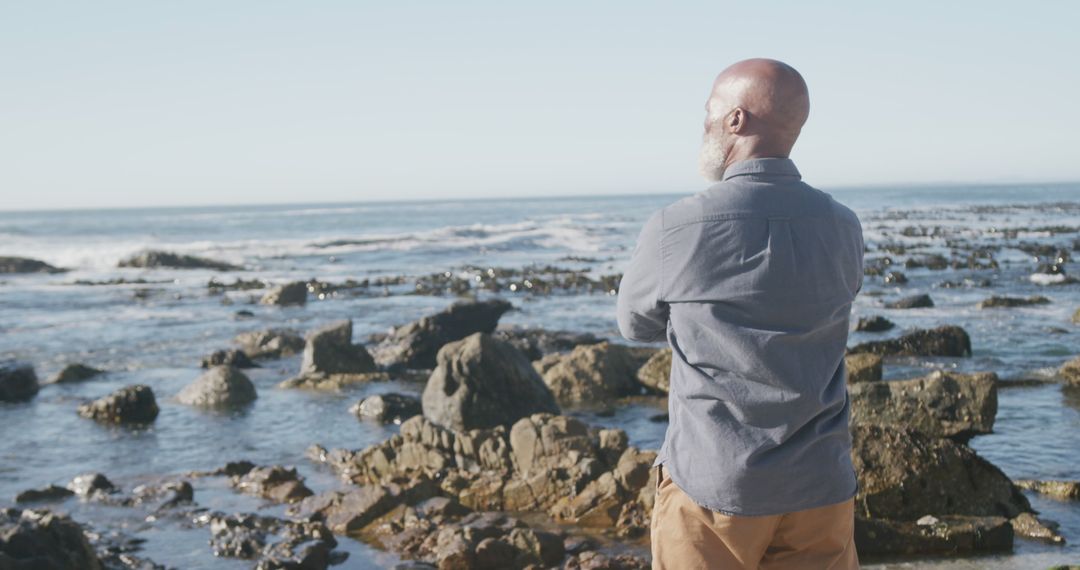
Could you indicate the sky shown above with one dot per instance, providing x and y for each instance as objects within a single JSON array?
[{"x": 154, "y": 103}]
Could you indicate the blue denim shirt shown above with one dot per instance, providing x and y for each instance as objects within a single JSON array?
[{"x": 751, "y": 281}]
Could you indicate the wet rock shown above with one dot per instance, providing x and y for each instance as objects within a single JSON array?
[
  {"x": 592, "y": 373},
  {"x": 932, "y": 261},
  {"x": 942, "y": 341},
  {"x": 390, "y": 407},
  {"x": 876, "y": 323},
  {"x": 911, "y": 302},
  {"x": 537, "y": 343},
  {"x": 17, "y": 381},
  {"x": 996, "y": 301},
  {"x": 481, "y": 382},
  {"x": 131, "y": 404},
  {"x": 1070, "y": 372},
  {"x": 219, "y": 387},
  {"x": 656, "y": 372},
  {"x": 155, "y": 258},
  {"x": 270, "y": 343},
  {"x": 864, "y": 367},
  {"x": 90, "y": 484},
  {"x": 229, "y": 357},
  {"x": 1030, "y": 526},
  {"x": 46, "y": 494},
  {"x": 895, "y": 278},
  {"x": 277, "y": 483},
  {"x": 10, "y": 264},
  {"x": 933, "y": 535},
  {"x": 416, "y": 344},
  {"x": 32, "y": 539},
  {"x": 1076, "y": 317},
  {"x": 166, "y": 495},
  {"x": 1061, "y": 490},
  {"x": 237, "y": 536},
  {"x": 294, "y": 293},
  {"x": 347, "y": 512},
  {"x": 276, "y": 544},
  {"x": 329, "y": 350},
  {"x": 905, "y": 475},
  {"x": 332, "y": 382},
  {"x": 942, "y": 404},
  {"x": 75, "y": 373}
]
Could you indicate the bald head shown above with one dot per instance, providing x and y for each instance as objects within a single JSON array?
[{"x": 756, "y": 108}]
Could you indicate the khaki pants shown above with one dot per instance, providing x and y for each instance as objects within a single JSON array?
[{"x": 687, "y": 536}]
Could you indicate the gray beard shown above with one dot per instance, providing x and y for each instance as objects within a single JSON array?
[{"x": 711, "y": 160}]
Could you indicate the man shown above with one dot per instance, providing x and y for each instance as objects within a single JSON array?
[{"x": 751, "y": 281}]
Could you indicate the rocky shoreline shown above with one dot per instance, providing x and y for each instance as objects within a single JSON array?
[{"x": 486, "y": 449}]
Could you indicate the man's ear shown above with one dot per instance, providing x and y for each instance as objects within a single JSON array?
[{"x": 736, "y": 121}]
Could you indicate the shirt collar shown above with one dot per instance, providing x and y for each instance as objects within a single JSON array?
[{"x": 766, "y": 166}]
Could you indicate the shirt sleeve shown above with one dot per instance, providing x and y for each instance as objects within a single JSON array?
[{"x": 642, "y": 316}]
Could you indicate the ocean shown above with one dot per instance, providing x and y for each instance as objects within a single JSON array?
[{"x": 152, "y": 326}]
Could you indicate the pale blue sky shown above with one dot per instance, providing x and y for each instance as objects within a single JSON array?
[{"x": 144, "y": 103}]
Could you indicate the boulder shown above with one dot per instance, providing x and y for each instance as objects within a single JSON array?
[
  {"x": 131, "y": 404},
  {"x": 270, "y": 343},
  {"x": 75, "y": 373},
  {"x": 17, "y": 381},
  {"x": 50, "y": 493},
  {"x": 876, "y": 323},
  {"x": 863, "y": 367},
  {"x": 31, "y": 539},
  {"x": 228, "y": 357},
  {"x": 592, "y": 373},
  {"x": 294, "y": 293},
  {"x": 656, "y": 372},
  {"x": 942, "y": 404},
  {"x": 1061, "y": 490},
  {"x": 933, "y": 535},
  {"x": 155, "y": 258},
  {"x": 1030, "y": 526},
  {"x": 905, "y": 475},
  {"x": 329, "y": 350},
  {"x": 387, "y": 408},
  {"x": 1070, "y": 372},
  {"x": 1002, "y": 301},
  {"x": 481, "y": 382},
  {"x": 537, "y": 343},
  {"x": 90, "y": 484},
  {"x": 417, "y": 344},
  {"x": 10, "y": 264},
  {"x": 911, "y": 302},
  {"x": 219, "y": 387},
  {"x": 942, "y": 341}
]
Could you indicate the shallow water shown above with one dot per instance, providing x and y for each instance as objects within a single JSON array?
[{"x": 158, "y": 340}]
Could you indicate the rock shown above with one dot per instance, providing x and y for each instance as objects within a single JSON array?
[
  {"x": 996, "y": 301},
  {"x": 941, "y": 341},
  {"x": 911, "y": 302},
  {"x": 1061, "y": 490},
  {"x": 1070, "y": 372},
  {"x": 50, "y": 493},
  {"x": 390, "y": 407},
  {"x": 905, "y": 475},
  {"x": 416, "y": 344},
  {"x": 1030, "y": 526},
  {"x": 350, "y": 511},
  {"x": 32, "y": 539},
  {"x": 131, "y": 404},
  {"x": 864, "y": 367},
  {"x": 332, "y": 382},
  {"x": 1076, "y": 317},
  {"x": 942, "y": 404},
  {"x": 537, "y": 343},
  {"x": 270, "y": 343},
  {"x": 933, "y": 261},
  {"x": 154, "y": 258},
  {"x": 943, "y": 535},
  {"x": 10, "y": 264},
  {"x": 876, "y": 323},
  {"x": 90, "y": 484},
  {"x": 329, "y": 350},
  {"x": 298, "y": 545},
  {"x": 294, "y": 293},
  {"x": 277, "y": 483},
  {"x": 165, "y": 495},
  {"x": 481, "y": 382},
  {"x": 75, "y": 373},
  {"x": 656, "y": 372},
  {"x": 592, "y": 373},
  {"x": 219, "y": 387},
  {"x": 17, "y": 381},
  {"x": 230, "y": 357},
  {"x": 895, "y": 278}
]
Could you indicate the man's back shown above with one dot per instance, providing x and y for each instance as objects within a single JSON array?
[{"x": 752, "y": 282}]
